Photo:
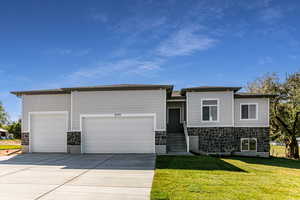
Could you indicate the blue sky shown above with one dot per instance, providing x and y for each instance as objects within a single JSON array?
[{"x": 50, "y": 44}]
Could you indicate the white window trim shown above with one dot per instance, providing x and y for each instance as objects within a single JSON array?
[
  {"x": 218, "y": 111},
  {"x": 256, "y": 111},
  {"x": 248, "y": 145},
  {"x": 177, "y": 107}
]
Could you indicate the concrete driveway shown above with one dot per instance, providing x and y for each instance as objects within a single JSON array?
[{"x": 76, "y": 177}]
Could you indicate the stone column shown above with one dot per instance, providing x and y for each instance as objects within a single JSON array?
[
  {"x": 74, "y": 142},
  {"x": 25, "y": 142},
  {"x": 160, "y": 142}
]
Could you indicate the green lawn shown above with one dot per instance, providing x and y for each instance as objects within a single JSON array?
[
  {"x": 233, "y": 178},
  {"x": 5, "y": 147}
]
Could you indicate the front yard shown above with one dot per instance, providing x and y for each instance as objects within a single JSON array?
[
  {"x": 210, "y": 178},
  {"x": 9, "y": 146}
]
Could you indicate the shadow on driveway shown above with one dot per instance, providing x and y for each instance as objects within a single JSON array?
[{"x": 85, "y": 161}]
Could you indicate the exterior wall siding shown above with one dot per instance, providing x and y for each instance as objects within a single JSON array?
[
  {"x": 108, "y": 102},
  {"x": 194, "y": 112},
  {"x": 228, "y": 139},
  {"x": 44, "y": 103},
  {"x": 263, "y": 112}
]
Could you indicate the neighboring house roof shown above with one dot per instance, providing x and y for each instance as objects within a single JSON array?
[
  {"x": 253, "y": 95},
  {"x": 169, "y": 89},
  {"x": 177, "y": 95},
  {"x": 3, "y": 130},
  {"x": 209, "y": 89}
]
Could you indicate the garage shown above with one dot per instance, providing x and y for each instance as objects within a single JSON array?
[
  {"x": 48, "y": 132},
  {"x": 118, "y": 134}
]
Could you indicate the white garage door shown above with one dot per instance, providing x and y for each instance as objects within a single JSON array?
[
  {"x": 118, "y": 134},
  {"x": 48, "y": 132}
]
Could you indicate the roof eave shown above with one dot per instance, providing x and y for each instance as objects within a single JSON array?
[
  {"x": 239, "y": 96},
  {"x": 212, "y": 89}
]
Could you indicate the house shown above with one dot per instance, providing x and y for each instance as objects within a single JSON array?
[
  {"x": 3, "y": 133},
  {"x": 132, "y": 118}
]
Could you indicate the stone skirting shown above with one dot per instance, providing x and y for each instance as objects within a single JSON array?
[
  {"x": 160, "y": 137},
  {"x": 74, "y": 138},
  {"x": 25, "y": 138},
  {"x": 228, "y": 139}
]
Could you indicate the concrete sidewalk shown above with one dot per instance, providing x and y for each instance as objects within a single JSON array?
[{"x": 74, "y": 177}]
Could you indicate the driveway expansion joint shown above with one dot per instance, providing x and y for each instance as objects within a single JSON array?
[
  {"x": 74, "y": 178},
  {"x": 26, "y": 168}
]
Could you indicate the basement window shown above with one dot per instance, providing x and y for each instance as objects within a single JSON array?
[{"x": 248, "y": 144}]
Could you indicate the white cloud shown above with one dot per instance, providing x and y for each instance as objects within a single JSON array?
[
  {"x": 265, "y": 60},
  {"x": 271, "y": 15},
  {"x": 99, "y": 17},
  {"x": 68, "y": 52},
  {"x": 293, "y": 56},
  {"x": 115, "y": 68},
  {"x": 185, "y": 42}
]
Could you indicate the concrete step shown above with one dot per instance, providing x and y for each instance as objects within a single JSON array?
[
  {"x": 176, "y": 142},
  {"x": 177, "y": 150},
  {"x": 175, "y": 134}
]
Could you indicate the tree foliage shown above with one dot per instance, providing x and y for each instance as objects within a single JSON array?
[
  {"x": 3, "y": 115},
  {"x": 284, "y": 108},
  {"x": 15, "y": 128}
]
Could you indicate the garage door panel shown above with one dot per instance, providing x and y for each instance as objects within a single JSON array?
[
  {"x": 119, "y": 135},
  {"x": 48, "y": 132}
]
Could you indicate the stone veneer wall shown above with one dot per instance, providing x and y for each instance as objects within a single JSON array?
[
  {"x": 25, "y": 138},
  {"x": 25, "y": 142},
  {"x": 160, "y": 137},
  {"x": 74, "y": 142},
  {"x": 228, "y": 139},
  {"x": 160, "y": 142}
]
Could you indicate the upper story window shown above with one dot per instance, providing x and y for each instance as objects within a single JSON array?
[
  {"x": 210, "y": 109},
  {"x": 249, "y": 111}
]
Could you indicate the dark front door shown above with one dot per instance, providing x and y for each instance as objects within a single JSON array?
[{"x": 174, "y": 124}]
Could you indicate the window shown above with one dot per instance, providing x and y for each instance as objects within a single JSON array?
[
  {"x": 249, "y": 111},
  {"x": 210, "y": 110},
  {"x": 248, "y": 144}
]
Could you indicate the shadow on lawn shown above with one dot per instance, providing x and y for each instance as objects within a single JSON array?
[
  {"x": 194, "y": 163},
  {"x": 272, "y": 161}
]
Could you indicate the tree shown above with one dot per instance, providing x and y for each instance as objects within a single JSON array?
[
  {"x": 284, "y": 108},
  {"x": 15, "y": 128},
  {"x": 3, "y": 115}
]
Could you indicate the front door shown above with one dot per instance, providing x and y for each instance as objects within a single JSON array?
[{"x": 174, "y": 124}]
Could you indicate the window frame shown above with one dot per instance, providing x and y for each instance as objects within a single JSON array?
[
  {"x": 248, "y": 104},
  {"x": 241, "y": 145},
  {"x": 218, "y": 110}
]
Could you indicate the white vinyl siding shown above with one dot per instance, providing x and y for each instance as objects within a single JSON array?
[
  {"x": 194, "y": 109},
  {"x": 123, "y": 102},
  {"x": 258, "y": 118},
  {"x": 44, "y": 103}
]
